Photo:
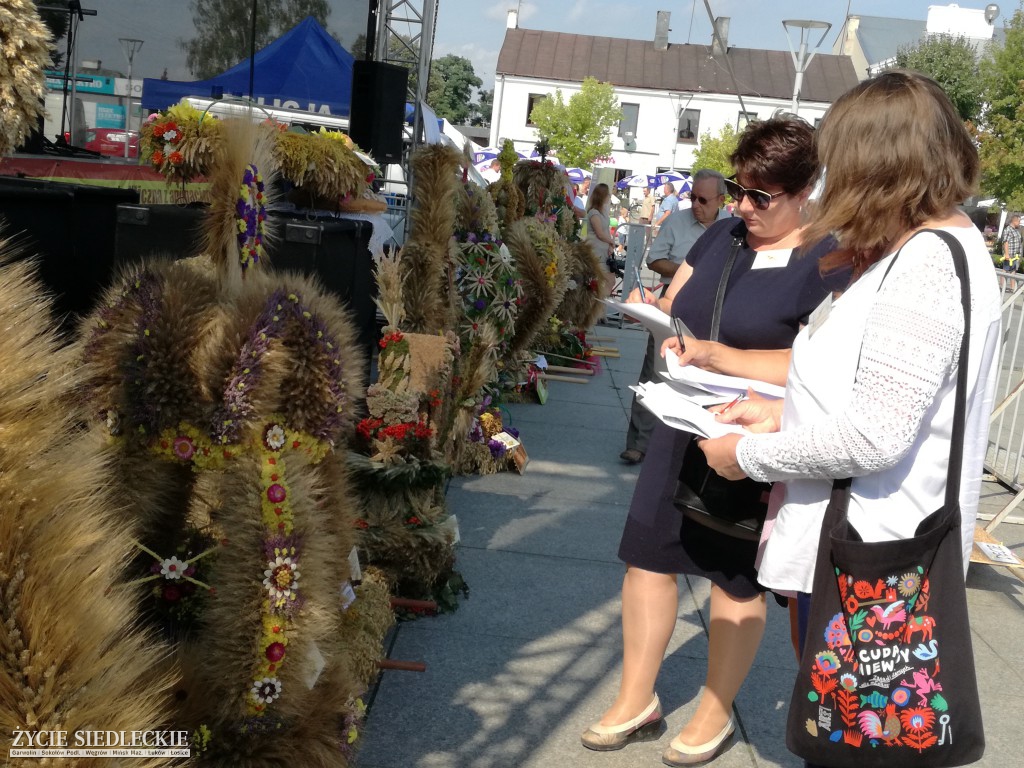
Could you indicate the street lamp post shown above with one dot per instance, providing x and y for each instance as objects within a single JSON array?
[
  {"x": 801, "y": 59},
  {"x": 129, "y": 46}
]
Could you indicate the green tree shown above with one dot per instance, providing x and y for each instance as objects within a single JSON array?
[
  {"x": 57, "y": 22},
  {"x": 952, "y": 63},
  {"x": 1001, "y": 135},
  {"x": 450, "y": 92},
  {"x": 224, "y": 27},
  {"x": 358, "y": 47},
  {"x": 713, "y": 151},
  {"x": 483, "y": 108},
  {"x": 579, "y": 131}
]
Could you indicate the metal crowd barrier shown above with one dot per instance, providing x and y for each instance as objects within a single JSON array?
[{"x": 1005, "y": 457}]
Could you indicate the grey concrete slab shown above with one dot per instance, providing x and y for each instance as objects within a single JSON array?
[
  {"x": 543, "y": 525},
  {"x": 612, "y": 482},
  {"x": 591, "y": 417}
]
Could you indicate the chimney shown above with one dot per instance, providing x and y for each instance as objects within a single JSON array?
[
  {"x": 513, "y": 19},
  {"x": 720, "y": 40},
  {"x": 661, "y": 31}
]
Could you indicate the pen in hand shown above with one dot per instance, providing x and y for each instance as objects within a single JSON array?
[
  {"x": 640, "y": 284},
  {"x": 739, "y": 399},
  {"x": 677, "y": 326}
]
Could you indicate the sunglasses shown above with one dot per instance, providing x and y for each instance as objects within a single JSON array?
[
  {"x": 706, "y": 200},
  {"x": 758, "y": 197}
]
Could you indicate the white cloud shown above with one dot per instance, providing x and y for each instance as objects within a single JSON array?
[
  {"x": 484, "y": 58},
  {"x": 579, "y": 7},
  {"x": 499, "y": 10}
]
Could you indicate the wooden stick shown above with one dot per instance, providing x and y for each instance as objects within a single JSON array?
[
  {"x": 571, "y": 379},
  {"x": 402, "y": 666},
  {"x": 564, "y": 357},
  {"x": 604, "y": 353},
  {"x": 569, "y": 369},
  {"x": 413, "y": 605}
]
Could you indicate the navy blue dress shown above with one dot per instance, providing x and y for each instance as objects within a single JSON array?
[{"x": 763, "y": 309}]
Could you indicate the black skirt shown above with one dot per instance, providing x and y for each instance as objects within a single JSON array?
[{"x": 658, "y": 538}]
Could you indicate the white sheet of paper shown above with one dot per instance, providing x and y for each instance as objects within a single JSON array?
[
  {"x": 654, "y": 320},
  {"x": 718, "y": 383},
  {"x": 679, "y": 412}
]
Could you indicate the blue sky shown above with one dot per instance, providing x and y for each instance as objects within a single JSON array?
[{"x": 475, "y": 28}]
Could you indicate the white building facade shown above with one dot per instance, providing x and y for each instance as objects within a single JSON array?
[{"x": 670, "y": 96}]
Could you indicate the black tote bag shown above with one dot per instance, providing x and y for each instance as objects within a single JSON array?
[{"x": 886, "y": 678}]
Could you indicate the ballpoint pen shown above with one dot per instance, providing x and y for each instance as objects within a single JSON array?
[
  {"x": 640, "y": 284},
  {"x": 680, "y": 329},
  {"x": 739, "y": 399}
]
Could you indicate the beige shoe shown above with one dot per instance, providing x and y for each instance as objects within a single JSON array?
[
  {"x": 683, "y": 754},
  {"x": 649, "y": 724}
]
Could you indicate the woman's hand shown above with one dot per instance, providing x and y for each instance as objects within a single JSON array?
[
  {"x": 756, "y": 413},
  {"x": 647, "y": 298},
  {"x": 721, "y": 456},
  {"x": 695, "y": 352}
]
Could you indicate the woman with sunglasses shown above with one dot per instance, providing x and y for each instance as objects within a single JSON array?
[
  {"x": 871, "y": 386},
  {"x": 773, "y": 285}
]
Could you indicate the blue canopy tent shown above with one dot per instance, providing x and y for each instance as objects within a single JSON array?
[{"x": 304, "y": 69}]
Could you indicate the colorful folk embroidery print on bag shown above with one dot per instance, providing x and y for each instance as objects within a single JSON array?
[{"x": 877, "y": 680}]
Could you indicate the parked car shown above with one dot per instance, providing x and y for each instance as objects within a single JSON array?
[{"x": 110, "y": 141}]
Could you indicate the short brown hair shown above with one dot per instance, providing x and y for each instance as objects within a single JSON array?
[
  {"x": 895, "y": 154},
  {"x": 777, "y": 153}
]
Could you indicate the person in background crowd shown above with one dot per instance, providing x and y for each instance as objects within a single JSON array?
[
  {"x": 667, "y": 254},
  {"x": 599, "y": 235},
  {"x": 1012, "y": 244},
  {"x": 684, "y": 201},
  {"x": 492, "y": 173},
  {"x": 669, "y": 204},
  {"x": 772, "y": 289},
  {"x": 647, "y": 207}
]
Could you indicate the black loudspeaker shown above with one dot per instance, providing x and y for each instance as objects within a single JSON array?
[
  {"x": 71, "y": 229},
  {"x": 378, "y": 109}
]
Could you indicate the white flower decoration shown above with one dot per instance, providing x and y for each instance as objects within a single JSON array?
[
  {"x": 275, "y": 437},
  {"x": 282, "y": 579},
  {"x": 265, "y": 690},
  {"x": 170, "y": 135},
  {"x": 505, "y": 254},
  {"x": 572, "y": 285},
  {"x": 172, "y": 568}
]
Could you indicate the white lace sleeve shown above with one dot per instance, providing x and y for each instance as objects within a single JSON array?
[{"x": 911, "y": 340}]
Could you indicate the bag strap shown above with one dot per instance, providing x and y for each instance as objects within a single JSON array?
[
  {"x": 738, "y": 239},
  {"x": 956, "y": 449}
]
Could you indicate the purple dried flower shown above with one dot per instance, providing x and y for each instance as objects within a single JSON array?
[
  {"x": 480, "y": 304},
  {"x": 496, "y": 447},
  {"x": 512, "y": 431}
]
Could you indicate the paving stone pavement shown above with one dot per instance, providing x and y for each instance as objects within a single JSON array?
[{"x": 533, "y": 655}]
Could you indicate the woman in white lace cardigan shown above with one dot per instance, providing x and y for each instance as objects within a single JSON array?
[{"x": 871, "y": 379}]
